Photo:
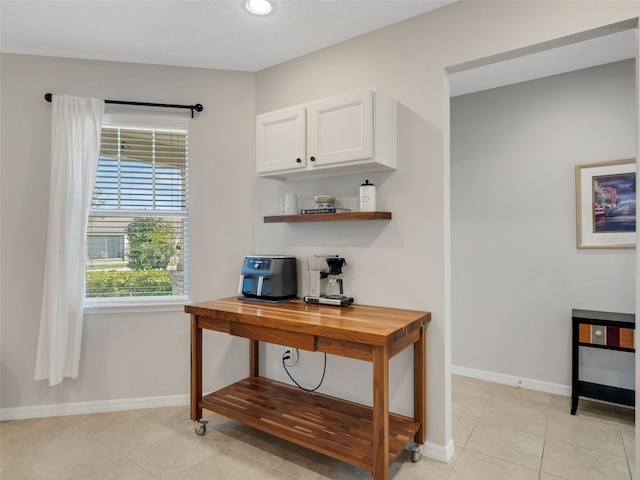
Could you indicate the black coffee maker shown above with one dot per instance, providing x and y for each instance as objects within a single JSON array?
[
  {"x": 334, "y": 288},
  {"x": 329, "y": 283}
]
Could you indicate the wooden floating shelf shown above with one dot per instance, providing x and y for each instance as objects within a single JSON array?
[
  {"x": 328, "y": 425},
  {"x": 328, "y": 217}
]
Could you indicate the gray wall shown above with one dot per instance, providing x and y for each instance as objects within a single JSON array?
[
  {"x": 516, "y": 270},
  {"x": 402, "y": 263},
  {"x": 405, "y": 263},
  {"x": 136, "y": 354}
]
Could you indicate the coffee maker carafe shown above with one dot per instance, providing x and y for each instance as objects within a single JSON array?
[
  {"x": 334, "y": 277},
  {"x": 326, "y": 284}
]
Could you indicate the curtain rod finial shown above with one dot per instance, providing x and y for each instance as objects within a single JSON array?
[{"x": 48, "y": 97}]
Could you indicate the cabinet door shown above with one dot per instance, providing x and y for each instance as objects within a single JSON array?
[
  {"x": 281, "y": 140},
  {"x": 340, "y": 130}
]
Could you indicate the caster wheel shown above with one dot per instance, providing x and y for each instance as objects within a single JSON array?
[
  {"x": 201, "y": 428},
  {"x": 416, "y": 453}
]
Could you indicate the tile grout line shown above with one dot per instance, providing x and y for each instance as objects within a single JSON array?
[{"x": 544, "y": 444}]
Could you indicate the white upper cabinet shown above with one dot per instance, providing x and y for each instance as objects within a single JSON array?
[
  {"x": 281, "y": 138},
  {"x": 340, "y": 130},
  {"x": 354, "y": 133}
]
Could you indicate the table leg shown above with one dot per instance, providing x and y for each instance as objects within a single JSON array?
[
  {"x": 420, "y": 386},
  {"x": 575, "y": 360},
  {"x": 196, "y": 369},
  {"x": 254, "y": 358},
  {"x": 380, "y": 413}
]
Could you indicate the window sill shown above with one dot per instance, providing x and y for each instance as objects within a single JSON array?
[{"x": 175, "y": 304}]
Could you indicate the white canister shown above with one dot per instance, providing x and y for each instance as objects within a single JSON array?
[{"x": 367, "y": 197}]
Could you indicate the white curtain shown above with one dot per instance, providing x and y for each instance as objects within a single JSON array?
[{"x": 75, "y": 147}]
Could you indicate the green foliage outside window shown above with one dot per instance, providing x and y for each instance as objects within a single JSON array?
[
  {"x": 152, "y": 243},
  {"x": 152, "y": 246},
  {"x": 113, "y": 283}
]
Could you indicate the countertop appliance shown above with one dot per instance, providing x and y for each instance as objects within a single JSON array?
[
  {"x": 325, "y": 281},
  {"x": 269, "y": 278}
]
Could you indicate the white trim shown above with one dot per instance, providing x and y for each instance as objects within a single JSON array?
[
  {"x": 144, "y": 117},
  {"x": 438, "y": 452},
  {"x": 100, "y": 406},
  {"x": 143, "y": 305},
  {"x": 531, "y": 384}
]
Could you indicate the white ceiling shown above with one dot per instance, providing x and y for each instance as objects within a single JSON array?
[{"x": 219, "y": 34}]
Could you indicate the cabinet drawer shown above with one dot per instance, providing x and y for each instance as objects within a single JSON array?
[
  {"x": 598, "y": 335},
  {"x": 627, "y": 338},
  {"x": 616, "y": 337},
  {"x": 273, "y": 335},
  {"x": 585, "y": 333}
]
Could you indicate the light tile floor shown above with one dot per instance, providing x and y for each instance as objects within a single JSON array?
[{"x": 500, "y": 433}]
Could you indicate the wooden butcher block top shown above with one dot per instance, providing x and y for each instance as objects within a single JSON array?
[{"x": 356, "y": 323}]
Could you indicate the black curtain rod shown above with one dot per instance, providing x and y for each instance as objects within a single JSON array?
[{"x": 197, "y": 107}]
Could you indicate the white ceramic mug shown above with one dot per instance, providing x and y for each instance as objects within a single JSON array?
[{"x": 290, "y": 204}]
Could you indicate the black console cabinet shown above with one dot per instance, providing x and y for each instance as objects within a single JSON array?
[{"x": 611, "y": 331}]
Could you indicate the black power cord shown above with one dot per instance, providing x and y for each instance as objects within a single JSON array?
[{"x": 287, "y": 355}]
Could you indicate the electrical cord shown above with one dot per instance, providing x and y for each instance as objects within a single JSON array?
[{"x": 287, "y": 355}]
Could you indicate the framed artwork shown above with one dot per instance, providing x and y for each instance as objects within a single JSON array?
[{"x": 606, "y": 204}]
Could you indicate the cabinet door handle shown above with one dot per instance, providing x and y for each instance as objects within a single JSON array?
[
  {"x": 313, "y": 159},
  {"x": 298, "y": 160}
]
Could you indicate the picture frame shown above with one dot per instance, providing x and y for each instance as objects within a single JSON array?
[{"x": 606, "y": 204}]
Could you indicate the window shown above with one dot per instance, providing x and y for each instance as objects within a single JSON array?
[
  {"x": 105, "y": 247},
  {"x": 137, "y": 235}
]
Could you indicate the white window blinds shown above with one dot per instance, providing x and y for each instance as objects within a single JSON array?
[
  {"x": 137, "y": 238},
  {"x": 141, "y": 170}
]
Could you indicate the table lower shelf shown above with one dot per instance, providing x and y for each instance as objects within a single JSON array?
[
  {"x": 331, "y": 426},
  {"x": 607, "y": 393}
]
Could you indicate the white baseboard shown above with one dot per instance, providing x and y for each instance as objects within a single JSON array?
[
  {"x": 83, "y": 408},
  {"x": 547, "y": 387},
  {"x": 438, "y": 452},
  {"x": 431, "y": 450}
]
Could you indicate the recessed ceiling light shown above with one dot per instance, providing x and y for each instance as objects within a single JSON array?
[{"x": 258, "y": 7}]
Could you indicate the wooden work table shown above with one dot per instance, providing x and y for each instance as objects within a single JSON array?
[{"x": 368, "y": 437}]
